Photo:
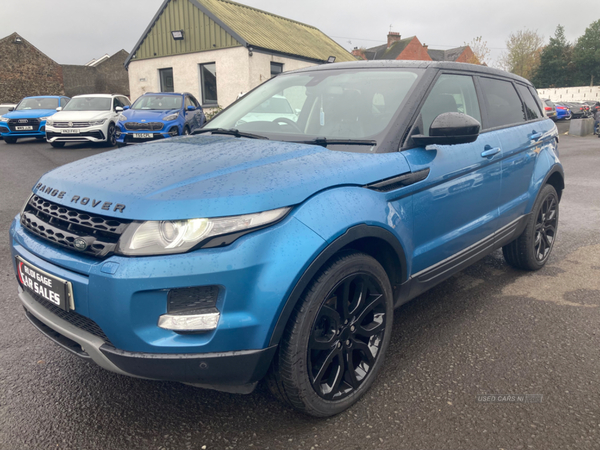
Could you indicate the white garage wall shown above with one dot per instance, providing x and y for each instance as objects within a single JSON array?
[{"x": 577, "y": 93}]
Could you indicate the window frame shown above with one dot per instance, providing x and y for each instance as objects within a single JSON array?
[
  {"x": 160, "y": 79},
  {"x": 205, "y": 103},
  {"x": 275, "y": 64}
]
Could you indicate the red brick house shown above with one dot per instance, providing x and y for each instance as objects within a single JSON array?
[{"x": 411, "y": 49}]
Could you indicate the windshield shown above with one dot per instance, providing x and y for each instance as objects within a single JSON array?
[
  {"x": 340, "y": 104},
  {"x": 38, "y": 103},
  {"x": 89, "y": 104},
  {"x": 158, "y": 102}
]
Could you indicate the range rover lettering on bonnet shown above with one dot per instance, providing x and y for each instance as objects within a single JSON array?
[{"x": 107, "y": 206}]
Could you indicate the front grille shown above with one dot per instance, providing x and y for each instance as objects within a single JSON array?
[
  {"x": 63, "y": 226},
  {"x": 69, "y": 137},
  {"x": 150, "y": 126},
  {"x": 71, "y": 124},
  {"x": 13, "y": 123},
  {"x": 75, "y": 319}
]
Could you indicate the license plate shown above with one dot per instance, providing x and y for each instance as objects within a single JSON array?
[
  {"x": 143, "y": 135},
  {"x": 24, "y": 128},
  {"x": 55, "y": 290},
  {"x": 70, "y": 131}
]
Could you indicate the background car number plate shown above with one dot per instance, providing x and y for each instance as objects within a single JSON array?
[
  {"x": 35, "y": 281},
  {"x": 143, "y": 135},
  {"x": 70, "y": 131},
  {"x": 24, "y": 128}
]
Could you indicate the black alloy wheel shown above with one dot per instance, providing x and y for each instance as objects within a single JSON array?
[
  {"x": 545, "y": 228},
  {"x": 335, "y": 341},
  {"x": 532, "y": 249},
  {"x": 346, "y": 337}
]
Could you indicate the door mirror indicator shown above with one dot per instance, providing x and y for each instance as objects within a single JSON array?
[{"x": 449, "y": 129}]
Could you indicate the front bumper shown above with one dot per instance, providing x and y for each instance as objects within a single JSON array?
[
  {"x": 87, "y": 134},
  {"x": 40, "y": 131},
  {"x": 236, "y": 371},
  {"x": 125, "y": 136}
]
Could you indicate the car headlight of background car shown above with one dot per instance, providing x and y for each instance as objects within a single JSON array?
[
  {"x": 3, "y": 119},
  {"x": 179, "y": 236},
  {"x": 171, "y": 117},
  {"x": 122, "y": 118},
  {"x": 49, "y": 122}
]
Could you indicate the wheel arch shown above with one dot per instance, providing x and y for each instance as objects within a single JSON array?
[
  {"x": 375, "y": 241},
  {"x": 556, "y": 178}
]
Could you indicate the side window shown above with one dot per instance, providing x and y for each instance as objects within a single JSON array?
[
  {"x": 125, "y": 101},
  {"x": 504, "y": 106},
  {"x": 117, "y": 102},
  {"x": 63, "y": 102},
  {"x": 532, "y": 108},
  {"x": 451, "y": 93},
  {"x": 208, "y": 83},
  {"x": 188, "y": 102},
  {"x": 194, "y": 101}
]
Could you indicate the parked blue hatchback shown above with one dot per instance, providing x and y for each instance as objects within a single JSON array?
[
  {"x": 278, "y": 248},
  {"x": 157, "y": 116},
  {"x": 28, "y": 119}
]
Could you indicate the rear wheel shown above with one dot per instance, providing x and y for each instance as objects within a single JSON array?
[
  {"x": 186, "y": 131},
  {"x": 531, "y": 250},
  {"x": 335, "y": 341},
  {"x": 10, "y": 140},
  {"x": 57, "y": 144}
]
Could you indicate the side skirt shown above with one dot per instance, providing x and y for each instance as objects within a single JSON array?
[{"x": 433, "y": 275}]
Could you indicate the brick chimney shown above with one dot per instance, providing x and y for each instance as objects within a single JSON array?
[
  {"x": 393, "y": 37},
  {"x": 358, "y": 53},
  {"x": 425, "y": 46}
]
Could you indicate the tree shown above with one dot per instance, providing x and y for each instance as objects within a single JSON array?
[
  {"x": 586, "y": 56},
  {"x": 555, "y": 69},
  {"x": 523, "y": 54},
  {"x": 480, "y": 50}
]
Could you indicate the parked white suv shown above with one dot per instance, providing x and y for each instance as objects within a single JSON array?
[{"x": 86, "y": 118}]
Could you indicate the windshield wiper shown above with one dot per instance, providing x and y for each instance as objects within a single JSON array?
[
  {"x": 333, "y": 141},
  {"x": 231, "y": 132}
]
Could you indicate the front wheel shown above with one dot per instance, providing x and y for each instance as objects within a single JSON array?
[
  {"x": 57, "y": 144},
  {"x": 335, "y": 341},
  {"x": 111, "y": 135},
  {"x": 531, "y": 250},
  {"x": 10, "y": 140}
]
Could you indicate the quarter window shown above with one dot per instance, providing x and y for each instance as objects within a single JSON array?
[
  {"x": 532, "y": 108},
  {"x": 503, "y": 104},
  {"x": 63, "y": 102},
  {"x": 208, "y": 83},
  {"x": 451, "y": 93}
]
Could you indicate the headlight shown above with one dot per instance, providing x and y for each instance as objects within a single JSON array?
[
  {"x": 50, "y": 122},
  {"x": 3, "y": 119},
  {"x": 179, "y": 236},
  {"x": 95, "y": 123},
  {"x": 44, "y": 118},
  {"x": 171, "y": 117},
  {"x": 121, "y": 117}
]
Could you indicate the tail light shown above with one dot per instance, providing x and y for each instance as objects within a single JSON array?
[{"x": 547, "y": 108}]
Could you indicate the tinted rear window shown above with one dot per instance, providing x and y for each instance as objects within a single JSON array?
[
  {"x": 531, "y": 106},
  {"x": 504, "y": 106}
]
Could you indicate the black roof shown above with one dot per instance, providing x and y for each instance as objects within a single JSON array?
[{"x": 391, "y": 64}]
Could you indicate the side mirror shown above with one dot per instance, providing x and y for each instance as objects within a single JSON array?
[
  {"x": 450, "y": 129},
  {"x": 191, "y": 108},
  {"x": 118, "y": 109},
  {"x": 126, "y": 107},
  {"x": 12, "y": 108},
  {"x": 59, "y": 109}
]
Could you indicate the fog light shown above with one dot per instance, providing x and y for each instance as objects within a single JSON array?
[{"x": 191, "y": 309}]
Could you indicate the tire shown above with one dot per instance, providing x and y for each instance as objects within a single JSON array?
[
  {"x": 121, "y": 144},
  {"x": 111, "y": 138},
  {"x": 345, "y": 346},
  {"x": 186, "y": 131},
  {"x": 531, "y": 250},
  {"x": 10, "y": 140},
  {"x": 40, "y": 138},
  {"x": 57, "y": 144}
]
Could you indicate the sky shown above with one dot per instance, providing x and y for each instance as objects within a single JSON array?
[{"x": 77, "y": 31}]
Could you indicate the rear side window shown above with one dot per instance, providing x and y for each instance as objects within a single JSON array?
[
  {"x": 451, "y": 93},
  {"x": 532, "y": 108},
  {"x": 504, "y": 106}
]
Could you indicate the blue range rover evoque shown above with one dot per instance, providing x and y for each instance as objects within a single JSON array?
[{"x": 279, "y": 248}]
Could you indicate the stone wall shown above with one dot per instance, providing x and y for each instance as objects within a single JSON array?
[
  {"x": 108, "y": 77},
  {"x": 26, "y": 71}
]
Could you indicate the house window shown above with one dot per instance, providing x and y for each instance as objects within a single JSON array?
[
  {"x": 208, "y": 83},
  {"x": 166, "y": 80},
  {"x": 276, "y": 69}
]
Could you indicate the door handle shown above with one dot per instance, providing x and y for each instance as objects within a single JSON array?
[
  {"x": 535, "y": 136},
  {"x": 488, "y": 152}
]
